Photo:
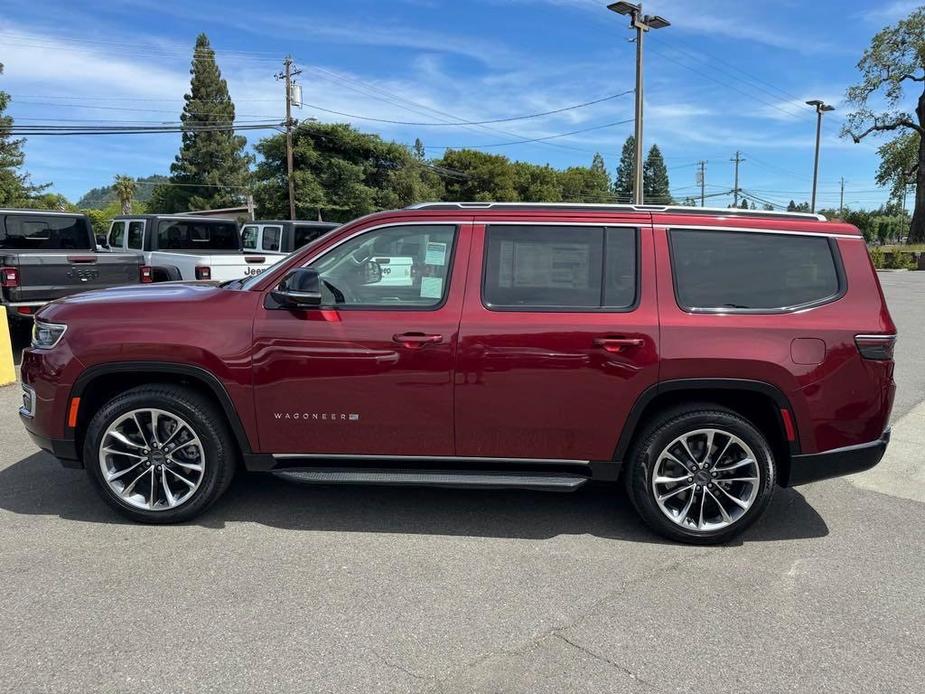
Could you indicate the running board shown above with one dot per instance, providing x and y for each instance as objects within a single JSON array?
[{"x": 550, "y": 482}]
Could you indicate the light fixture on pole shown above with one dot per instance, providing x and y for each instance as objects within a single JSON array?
[
  {"x": 821, "y": 108},
  {"x": 641, "y": 23}
]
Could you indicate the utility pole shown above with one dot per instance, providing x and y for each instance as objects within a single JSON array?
[
  {"x": 702, "y": 180},
  {"x": 287, "y": 75},
  {"x": 841, "y": 199},
  {"x": 641, "y": 23},
  {"x": 820, "y": 109},
  {"x": 735, "y": 191}
]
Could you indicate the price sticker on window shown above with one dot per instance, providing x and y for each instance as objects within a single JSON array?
[
  {"x": 436, "y": 254},
  {"x": 431, "y": 287}
]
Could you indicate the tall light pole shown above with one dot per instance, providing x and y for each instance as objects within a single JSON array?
[
  {"x": 641, "y": 23},
  {"x": 820, "y": 109}
]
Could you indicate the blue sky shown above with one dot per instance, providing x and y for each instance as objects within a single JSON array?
[{"x": 725, "y": 76}]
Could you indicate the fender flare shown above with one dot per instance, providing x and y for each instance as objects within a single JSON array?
[
  {"x": 631, "y": 425},
  {"x": 168, "y": 273}
]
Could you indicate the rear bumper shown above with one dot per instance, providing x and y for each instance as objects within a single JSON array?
[{"x": 841, "y": 461}]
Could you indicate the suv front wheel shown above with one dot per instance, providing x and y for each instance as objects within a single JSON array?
[
  {"x": 159, "y": 453},
  {"x": 701, "y": 476}
]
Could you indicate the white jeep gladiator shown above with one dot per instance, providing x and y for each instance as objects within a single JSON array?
[{"x": 180, "y": 247}]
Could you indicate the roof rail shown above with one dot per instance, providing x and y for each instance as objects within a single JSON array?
[{"x": 671, "y": 209}]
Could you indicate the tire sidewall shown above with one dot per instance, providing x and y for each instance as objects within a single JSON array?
[
  {"x": 644, "y": 461},
  {"x": 193, "y": 409}
]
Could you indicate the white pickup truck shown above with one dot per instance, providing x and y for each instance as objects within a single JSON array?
[{"x": 180, "y": 247}]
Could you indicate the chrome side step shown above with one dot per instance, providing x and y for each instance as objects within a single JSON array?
[{"x": 550, "y": 482}]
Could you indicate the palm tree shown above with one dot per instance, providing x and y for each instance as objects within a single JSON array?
[{"x": 125, "y": 190}]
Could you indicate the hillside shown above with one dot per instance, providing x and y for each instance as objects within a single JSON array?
[{"x": 97, "y": 198}]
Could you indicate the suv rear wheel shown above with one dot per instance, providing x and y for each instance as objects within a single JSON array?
[
  {"x": 701, "y": 476},
  {"x": 159, "y": 453}
]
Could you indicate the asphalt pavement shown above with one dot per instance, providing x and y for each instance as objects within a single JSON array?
[{"x": 347, "y": 589}]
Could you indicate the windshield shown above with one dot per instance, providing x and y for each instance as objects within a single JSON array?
[
  {"x": 195, "y": 235},
  {"x": 44, "y": 232}
]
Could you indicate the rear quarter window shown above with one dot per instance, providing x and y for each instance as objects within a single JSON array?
[
  {"x": 756, "y": 271},
  {"x": 191, "y": 235}
]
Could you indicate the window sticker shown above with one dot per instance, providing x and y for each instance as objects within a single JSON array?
[
  {"x": 431, "y": 287},
  {"x": 436, "y": 254}
]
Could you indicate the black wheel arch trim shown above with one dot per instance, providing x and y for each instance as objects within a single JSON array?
[
  {"x": 195, "y": 372},
  {"x": 632, "y": 423}
]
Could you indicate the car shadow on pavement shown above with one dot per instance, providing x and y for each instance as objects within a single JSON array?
[{"x": 38, "y": 485}]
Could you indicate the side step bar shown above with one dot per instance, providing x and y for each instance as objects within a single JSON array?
[{"x": 549, "y": 482}]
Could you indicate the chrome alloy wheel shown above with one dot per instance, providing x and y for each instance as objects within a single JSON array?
[
  {"x": 706, "y": 479},
  {"x": 152, "y": 459}
]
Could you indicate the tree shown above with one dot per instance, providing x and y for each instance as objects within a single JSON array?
[
  {"x": 340, "y": 174},
  {"x": 898, "y": 163},
  {"x": 625, "y": 181},
  {"x": 896, "y": 55},
  {"x": 420, "y": 153},
  {"x": 802, "y": 207},
  {"x": 586, "y": 184},
  {"x": 124, "y": 187},
  {"x": 768, "y": 207},
  {"x": 479, "y": 176},
  {"x": 537, "y": 183},
  {"x": 656, "y": 188},
  {"x": 211, "y": 169},
  {"x": 15, "y": 187}
]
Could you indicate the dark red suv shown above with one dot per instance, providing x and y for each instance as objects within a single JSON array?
[{"x": 704, "y": 356}]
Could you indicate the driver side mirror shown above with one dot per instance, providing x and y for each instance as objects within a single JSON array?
[{"x": 300, "y": 289}]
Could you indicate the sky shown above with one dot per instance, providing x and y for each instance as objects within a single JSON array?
[{"x": 726, "y": 76}]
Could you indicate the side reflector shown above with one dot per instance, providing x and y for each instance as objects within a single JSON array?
[
  {"x": 24, "y": 310},
  {"x": 788, "y": 425},
  {"x": 72, "y": 412}
]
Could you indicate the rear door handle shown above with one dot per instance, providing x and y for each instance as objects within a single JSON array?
[
  {"x": 615, "y": 345},
  {"x": 416, "y": 340}
]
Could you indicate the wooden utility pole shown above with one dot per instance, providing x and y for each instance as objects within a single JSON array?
[
  {"x": 287, "y": 75},
  {"x": 702, "y": 180},
  {"x": 841, "y": 199},
  {"x": 735, "y": 191}
]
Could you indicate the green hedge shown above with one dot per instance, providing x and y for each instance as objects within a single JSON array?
[{"x": 894, "y": 259}]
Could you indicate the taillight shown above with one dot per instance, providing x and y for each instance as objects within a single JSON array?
[
  {"x": 24, "y": 310},
  {"x": 9, "y": 277},
  {"x": 203, "y": 272},
  {"x": 146, "y": 274},
  {"x": 877, "y": 347}
]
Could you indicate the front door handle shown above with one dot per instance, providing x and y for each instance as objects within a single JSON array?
[
  {"x": 615, "y": 345},
  {"x": 416, "y": 340}
]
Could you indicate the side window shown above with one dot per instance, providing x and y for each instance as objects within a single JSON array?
[
  {"x": 271, "y": 237},
  {"x": 249, "y": 238},
  {"x": 117, "y": 235},
  {"x": 560, "y": 268},
  {"x": 304, "y": 235},
  {"x": 719, "y": 270},
  {"x": 394, "y": 267},
  {"x": 136, "y": 235}
]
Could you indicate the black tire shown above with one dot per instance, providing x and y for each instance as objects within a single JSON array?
[
  {"x": 666, "y": 429},
  {"x": 201, "y": 415}
]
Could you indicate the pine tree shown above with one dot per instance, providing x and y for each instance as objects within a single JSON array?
[
  {"x": 420, "y": 152},
  {"x": 211, "y": 169},
  {"x": 626, "y": 172},
  {"x": 15, "y": 187},
  {"x": 656, "y": 188}
]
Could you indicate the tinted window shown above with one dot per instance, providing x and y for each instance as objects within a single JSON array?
[
  {"x": 583, "y": 268},
  {"x": 117, "y": 235},
  {"x": 271, "y": 236},
  {"x": 187, "y": 235},
  {"x": 726, "y": 269},
  {"x": 38, "y": 232},
  {"x": 249, "y": 238},
  {"x": 136, "y": 233},
  {"x": 304, "y": 235},
  {"x": 394, "y": 267}
]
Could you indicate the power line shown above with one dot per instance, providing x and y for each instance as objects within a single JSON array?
[{"x": 535, "y": 139}]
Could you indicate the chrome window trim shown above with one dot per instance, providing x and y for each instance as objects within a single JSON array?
[{"x": 752, "y": 230}]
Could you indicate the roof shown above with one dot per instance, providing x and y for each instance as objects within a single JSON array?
[
  {"x": 29, "y": 210},
  {"x": 294, "y": 221},
  {"x": 593, "y": 207},
  {"x": 197, "y": 218}
]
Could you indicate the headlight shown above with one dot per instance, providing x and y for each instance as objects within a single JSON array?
[{"x": 46, "y": 335}]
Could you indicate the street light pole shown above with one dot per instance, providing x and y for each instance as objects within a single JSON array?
[
  {"x": 820, "y": 109},
  {"x": 641, "y": 23}
]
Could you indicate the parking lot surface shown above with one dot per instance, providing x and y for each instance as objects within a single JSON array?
[{"x": 288, "y": 588}]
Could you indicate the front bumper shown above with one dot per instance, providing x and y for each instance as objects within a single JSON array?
[
  {"x": 841, "y": 461},
  {"x": 63, "y": 449}
]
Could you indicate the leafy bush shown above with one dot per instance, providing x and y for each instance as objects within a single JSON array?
[{"x": 893, "y": 259}]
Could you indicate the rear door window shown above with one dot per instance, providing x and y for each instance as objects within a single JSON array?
[
  {"x": 44, "y": 232},
  {"x": 304, "y": 235},
  {"x": 136, "y": 235},
  {"x": 194, "y": 235},
  {"x": 560, "y": 268},
  {"x": 738, "y": 270},
  {"x": 271, "y": 238}
]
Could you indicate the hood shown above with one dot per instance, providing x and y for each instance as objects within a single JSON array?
[{"x": 132, "y": 297}]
